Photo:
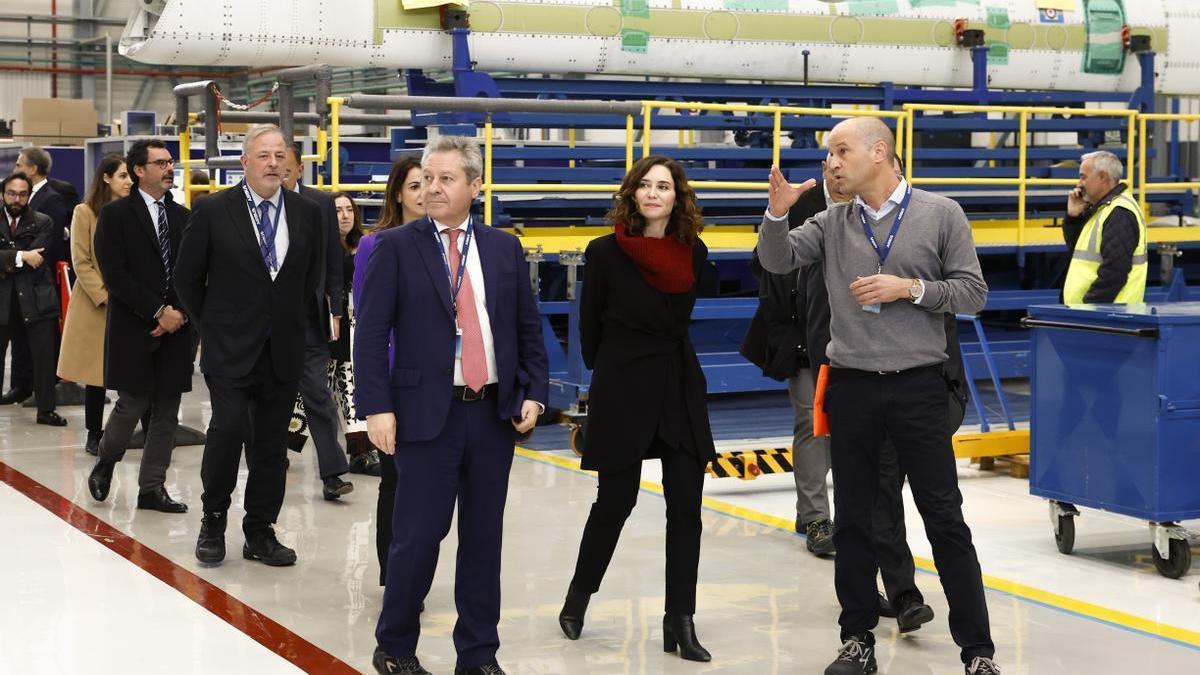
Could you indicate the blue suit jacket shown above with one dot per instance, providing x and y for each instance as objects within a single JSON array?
[{"x": 405, "y": 303}]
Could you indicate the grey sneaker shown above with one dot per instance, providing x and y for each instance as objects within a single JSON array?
[
  {"x": 820, "y": 537},
  {"x": 981, "y": 665}
]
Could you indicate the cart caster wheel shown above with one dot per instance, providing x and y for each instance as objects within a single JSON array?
[
  {"x": 1178, "y": 563},
  {"x": 1065, "y": 537},
  {"x": 576, "y": 438}
]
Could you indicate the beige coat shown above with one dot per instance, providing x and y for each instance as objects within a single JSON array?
[{"x": 81, "y": 359}]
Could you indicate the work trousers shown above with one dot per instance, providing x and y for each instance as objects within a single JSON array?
[
  {"x": 810, "y": 454},
  {"x": 269, "y": 402},
  {"x": 683, "y": 488},
  {"x": 909, "y": 408},
  {"x": 160, "y": 434},
  {"x": 321, "y": 413}
]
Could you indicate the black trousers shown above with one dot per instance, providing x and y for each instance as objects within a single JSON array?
[
  {"x": 269, "y": 401},
  {"x": 383, "y": 514},
  {"x": 891, "y": 537},
  {"x": 910, "y": 409},
  {"x": 683, "y": 487},
  {"x": 93, "y": 409},
  {"x": 41, "y": 339},
  {"x": 21, "y": 376}
]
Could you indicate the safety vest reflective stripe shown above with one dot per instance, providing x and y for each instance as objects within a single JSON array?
[{"x": 1086, "y": 258}]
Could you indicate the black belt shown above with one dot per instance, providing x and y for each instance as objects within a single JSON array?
[
  {"x": 469, "y": 394},
  {"x": 855, "y": 371}
]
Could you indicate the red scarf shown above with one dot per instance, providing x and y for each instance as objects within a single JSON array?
[{"x": 665, "y": 264}]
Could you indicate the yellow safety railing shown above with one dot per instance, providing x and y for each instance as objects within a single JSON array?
[
  {"x": 1146, "y": 187},
  {"x": 1021, "y": 180},
  {"x": 328, "y": 146}
]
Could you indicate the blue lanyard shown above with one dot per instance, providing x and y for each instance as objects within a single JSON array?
[
  {"x": 455, "y": 284},
  {"x": 887, "y": 247},
  {"x": 254, "y": 215}
]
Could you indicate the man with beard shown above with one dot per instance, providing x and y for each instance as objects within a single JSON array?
[
  {"x": 148, "y": 350},
  {"x": 28, "y": 298}
]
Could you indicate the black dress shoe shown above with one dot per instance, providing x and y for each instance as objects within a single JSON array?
[
  {"x": 265, "y": 548},
  {"x": 386, "y": 664},
  {"x": 100, "y": 479},
  {"x": 570, "y": 619},
  {"x": 885, "y": 607},
  {"x": 210, "y": 546},
  {"x": 93, "y": 443},
  {"x": 159, "y": 500},
  {"x": 679, "y": 630},
  {"x": 488, "y": 669},
  {"x": 911, "y": 613},
  {"x": 334, "y": 487},
  {"x": 52, "y": 419},
  {"x": 15, "y": 396}
]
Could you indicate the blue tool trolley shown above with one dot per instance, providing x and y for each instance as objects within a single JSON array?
[{"x": 1116, "y": 418}]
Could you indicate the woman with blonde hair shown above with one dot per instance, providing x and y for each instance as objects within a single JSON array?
[{"x": 81, "y": 358}]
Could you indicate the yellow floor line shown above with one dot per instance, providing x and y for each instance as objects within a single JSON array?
[{"x": 1081, "y": 607}]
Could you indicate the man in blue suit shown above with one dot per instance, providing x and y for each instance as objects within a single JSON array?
[{"x": 451, "y": 299}]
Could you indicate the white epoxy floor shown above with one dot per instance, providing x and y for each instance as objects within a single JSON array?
[{"x": 765, "y": 606}]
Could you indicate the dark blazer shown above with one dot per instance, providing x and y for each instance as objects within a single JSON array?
[
  {"x": 406, "y": 302},
  {"x": 51, "y": 203},
  {"x": 35, "y": 290},
  {"x": 229, "y": 295},
  {"x": 790, "y": 328},
  {"x": 130, "y": 260},
  {"x": 8, "y": 262},
  {"x": 329, "y": 287},
  {"x": 635, "y": 339},
  {"x": 65, "y": 188}
]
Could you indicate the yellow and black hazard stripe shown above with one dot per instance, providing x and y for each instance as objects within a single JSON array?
[{"x": 750, "y": 464}]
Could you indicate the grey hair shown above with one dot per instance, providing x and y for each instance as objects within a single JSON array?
[
  {"x": 39, "y": 158},
  {"x": 1103, "y": 160},
  {"x": 465, "y": 146},
  {"x": 256, "y": 132}
]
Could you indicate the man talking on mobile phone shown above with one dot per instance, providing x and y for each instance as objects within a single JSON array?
[{"x": 1106, "y": 231}]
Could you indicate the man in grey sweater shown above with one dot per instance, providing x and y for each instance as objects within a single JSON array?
[{"x": 896, "y": 260}]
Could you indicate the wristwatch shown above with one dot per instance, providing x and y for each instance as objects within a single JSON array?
[{"x": 915, "y": 289}]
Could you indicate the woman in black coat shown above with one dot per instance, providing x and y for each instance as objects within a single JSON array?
[{"x": 647, "y": 396}]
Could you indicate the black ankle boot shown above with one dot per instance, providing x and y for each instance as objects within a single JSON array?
[
  {"x": 570, "y": 619},
  {"x": 679, "y": 630}
]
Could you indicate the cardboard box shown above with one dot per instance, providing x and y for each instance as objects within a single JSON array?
[{"x": 55, "y": 121}]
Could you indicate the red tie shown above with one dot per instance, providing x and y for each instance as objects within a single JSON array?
[{"x": 474, "y": 362}]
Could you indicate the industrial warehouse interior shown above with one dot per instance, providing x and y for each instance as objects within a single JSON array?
[{"x": 172, "y": 306}]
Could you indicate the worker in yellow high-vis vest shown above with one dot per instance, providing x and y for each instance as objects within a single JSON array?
[{"x": 1106, "y": 231}]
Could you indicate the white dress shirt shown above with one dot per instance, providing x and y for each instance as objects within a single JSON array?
[
  {"x": 281, "y": 232},
  {"x": 893, "y": 201},
  {"x": 475, "y": 272},
  {"x": 34, "y": 190}
]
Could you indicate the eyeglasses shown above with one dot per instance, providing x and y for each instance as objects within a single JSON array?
[
  {"x": 15, "y": 195},
  {"x": 162, "y": 163}
]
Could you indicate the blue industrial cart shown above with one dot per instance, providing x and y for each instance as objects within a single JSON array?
[{"x": 1116, "y": 418}]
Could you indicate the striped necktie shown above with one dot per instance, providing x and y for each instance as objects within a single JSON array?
[{"x": 164, "y": 244}]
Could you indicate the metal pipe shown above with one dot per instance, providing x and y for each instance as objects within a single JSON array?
[
  {"x": 253, "y": 117},
  {"x": 303, "y": 73},
  {"x": 287, "y": 109},
  {"x": 490, "y": 105},
  {"x": 60, "y": 19},
  {"x": 108, "y": 75}
]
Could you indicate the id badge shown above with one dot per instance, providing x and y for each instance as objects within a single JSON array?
[
  {"x": 458, "y": 343},
  {"x": 873, "y": 308}
]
